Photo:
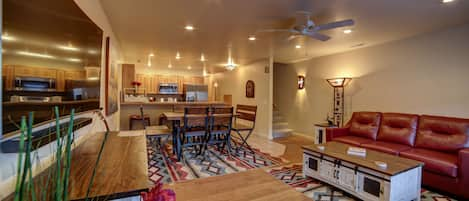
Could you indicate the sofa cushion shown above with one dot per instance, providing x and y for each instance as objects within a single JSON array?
[
  {"x": 353, "y": 140},
  {"x": 386, "y": 147},
  {"x": 435, "y": 161},
  {"x": 398, "y": 128},
  {"x": 442, "y": 133},
  {"x": 364, "y": 124}
]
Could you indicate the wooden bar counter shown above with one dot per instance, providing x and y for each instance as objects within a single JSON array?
[{"x": 122, "y": 170}]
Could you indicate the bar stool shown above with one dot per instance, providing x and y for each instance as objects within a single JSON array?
[{"x": 138, "y": 120}]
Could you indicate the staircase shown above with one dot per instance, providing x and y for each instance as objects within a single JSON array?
[{"x": 279, "y": 125}]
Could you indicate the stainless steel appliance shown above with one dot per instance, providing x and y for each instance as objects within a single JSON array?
[
  {"x": 35, "y": 99},
  {"x": 195, "y": 93},
  {"x": 168, "y": 88},
  {"x": 82, "y": 89},
  {"x": 34, "y": 84}
]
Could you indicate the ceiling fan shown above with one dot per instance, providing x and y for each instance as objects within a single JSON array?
[{"x": 304, "y": 26}]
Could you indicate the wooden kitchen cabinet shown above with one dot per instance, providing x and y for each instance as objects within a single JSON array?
[
  {"x": 193, "y": 80},
  {"x": 149, "y": 82},
  {"x": 198, "y": 80},
  {"x": 9, "y": 75},
  {"x": 128, "y": 75},
  {"x": 60, "y": 81},
  {"x": 180, "y": 84},
  {"x": 75, "y": 75},
  {"x": 22, "y": 71}
]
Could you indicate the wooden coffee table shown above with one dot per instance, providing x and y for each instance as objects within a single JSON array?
[
  {"x": 361, "y": 176},
  {"x": 243, "y": 186}
]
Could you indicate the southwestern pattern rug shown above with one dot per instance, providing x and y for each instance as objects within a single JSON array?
[
  {"x": 164, "y": 168},
  {"x": 163, "y": 165},
  {"x": 318, "y": 191}
]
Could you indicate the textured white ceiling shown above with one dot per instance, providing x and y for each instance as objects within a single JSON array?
[{"x": 157, "y": 26}]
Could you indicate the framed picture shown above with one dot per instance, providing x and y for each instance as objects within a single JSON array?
[
  {"x": 111, "y": 81},
  {"x": 250, "y": 89}
]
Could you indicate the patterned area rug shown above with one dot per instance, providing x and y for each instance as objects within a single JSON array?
[
  {"x": 164, "y": 167},
  {"x": 318, "y": 191}
]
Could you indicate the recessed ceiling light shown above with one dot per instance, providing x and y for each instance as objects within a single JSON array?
[
  {"x": 446, "y": 1},
  {"x": 170, "y": 65},
  {"x": 178, "y": 56},
  {"x": 189, "y": 67},
  {"x": 347, "y": 31},
  {"x": 151, "y": 55},
  {"x": 298, "y": 46},
  {"x": 189, "y": 27},
  {"x": 252, "y": 38},
  {"x": 202, "y": 57}
]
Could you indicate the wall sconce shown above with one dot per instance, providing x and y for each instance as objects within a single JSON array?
[
  {"x": 338, "y": 105},
  {"x": 301, "y": 82}
]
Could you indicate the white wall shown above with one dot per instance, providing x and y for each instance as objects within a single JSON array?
[
  {"x": 93, "y": 9},
  {"x": 234, "y": 83},
  {"x": 426, "y": 74}
]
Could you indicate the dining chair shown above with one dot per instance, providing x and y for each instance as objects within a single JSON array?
[
  {"x": 194, "y": 130},
  {"x": 244, "y": 123},
  {"x": 221, "y": 119}
]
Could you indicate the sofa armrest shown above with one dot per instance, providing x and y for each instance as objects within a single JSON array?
[
  {"x": 332, "y": 133},
  {"x": 463, "y": 161}
]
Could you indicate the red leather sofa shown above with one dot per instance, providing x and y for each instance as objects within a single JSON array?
[{"x": 442, "y": 143}]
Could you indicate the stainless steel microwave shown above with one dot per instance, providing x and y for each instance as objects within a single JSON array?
[
  {"x": 34, "y": 84},
  {"x": 168, "y": 88}
]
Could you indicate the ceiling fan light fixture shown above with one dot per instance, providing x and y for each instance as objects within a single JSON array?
[{"x": 347, "y": 31}]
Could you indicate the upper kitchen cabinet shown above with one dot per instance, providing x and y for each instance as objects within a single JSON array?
[
  {"x": 22, "y": 71},
  {"x": 128, "y": 75},
  {"x": 9, "y": 76},
  {"x": 149, "y": 82},
  {"x": 196, "y": 80},
  {"x": 60, "y": 81},
  {"x": 75, "y": 75}
]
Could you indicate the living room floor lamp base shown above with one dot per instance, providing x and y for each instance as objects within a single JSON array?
[{"x": 338, "y": 105}]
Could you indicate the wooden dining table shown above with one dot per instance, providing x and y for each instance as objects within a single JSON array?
[{"x": 176, "y": 118}]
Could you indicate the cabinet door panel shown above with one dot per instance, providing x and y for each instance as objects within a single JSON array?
[{"x": 60, "y": 81}]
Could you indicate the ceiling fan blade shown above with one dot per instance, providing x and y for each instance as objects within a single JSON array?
[
  {"x": 333, "y": 25},
  {"x": 292, "y": 37},
  {"x": 317, "y": 36},
  {"x": 276, "y": 30}
]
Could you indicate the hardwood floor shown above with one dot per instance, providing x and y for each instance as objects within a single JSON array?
[
  {"x": 293, "y": 151},
  {"x": 288, "y": 148}
]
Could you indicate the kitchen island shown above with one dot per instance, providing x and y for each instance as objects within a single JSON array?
[{"x": 155, "y": 109}]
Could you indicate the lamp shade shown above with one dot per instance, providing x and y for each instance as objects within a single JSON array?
[{"x": 339, "y": 82}]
